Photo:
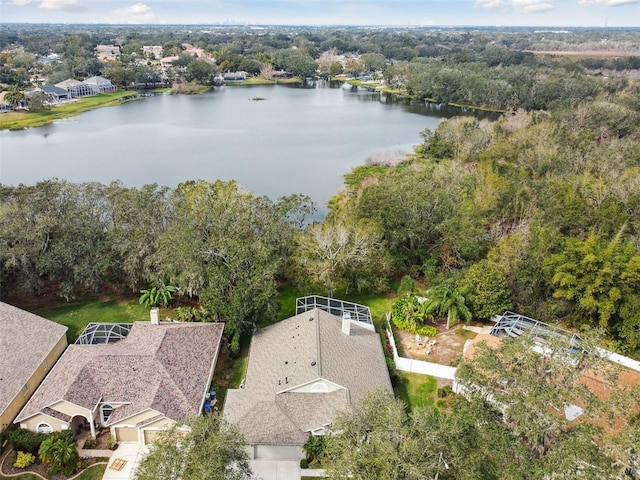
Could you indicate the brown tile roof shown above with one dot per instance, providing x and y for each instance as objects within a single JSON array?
[
  {"x": 295, "y": 352},
  {"x": 164, "y": 367},
  {"x": 25, "y": 341}
]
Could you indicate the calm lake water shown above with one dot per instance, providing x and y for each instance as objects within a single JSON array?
[{"x": 296, "y": 140}]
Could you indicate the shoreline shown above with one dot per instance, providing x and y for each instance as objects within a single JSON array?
[
  {"x": 22, "y": 120},
  {"x": 378, "y": 87},
  {"x": 13, "y": 121}
]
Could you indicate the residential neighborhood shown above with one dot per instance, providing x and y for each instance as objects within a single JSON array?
[{"x": 287, "y": 252}]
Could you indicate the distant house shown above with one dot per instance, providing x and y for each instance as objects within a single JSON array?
[
  {"x": 281, "y": 74},
  {"x": 77, "y": 89},
  {"x": 101, "y": 84},
  {"x": 158, "y": 374},
  {"x": 154, "y": 51},
  {"x": 29, "y": 347},
  {"x": 55, "y": 94},
  {"x": 168, "y": 61},
  {"x": 301, "y": 371},
  {"x": 234, "y": 76},
  {"x": 107, "y": 53}
]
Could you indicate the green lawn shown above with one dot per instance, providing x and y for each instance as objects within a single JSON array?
[
  {"x": 95, "y": 472},
  {"x": 77, "y": 315},
  {"x": 19, "y": 120},
  {"x": 416, "y": 390}
]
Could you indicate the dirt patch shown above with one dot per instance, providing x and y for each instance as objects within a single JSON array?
[{"x": 443, "y": 349}]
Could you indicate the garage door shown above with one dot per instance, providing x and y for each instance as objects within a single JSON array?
[
  {"x": 126, "y": 434},
  {"x": 150, "y": 435},
  {"x": 278, "y": 452}
]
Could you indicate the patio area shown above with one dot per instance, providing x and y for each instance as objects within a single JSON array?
[{"x": 442, "y": 349}]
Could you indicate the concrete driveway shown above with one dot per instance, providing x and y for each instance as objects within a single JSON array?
[
  {"x": 123, "y": 461},
  {"x": 275, "y": 469}
]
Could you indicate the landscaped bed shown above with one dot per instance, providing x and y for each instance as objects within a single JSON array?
[{"x": 93, "y": 469}]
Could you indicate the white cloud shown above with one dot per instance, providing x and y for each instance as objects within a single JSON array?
[
  {"x": 526, "y": 6},
  {"x": 21, "y": 3},
  {"x": 490, "y": 3},
  {"x": 608, "y": 3},
  {"x": 138, "y": 13},
  {"x": 531, "y": 6},
  {"x": 68, "y": 5}
]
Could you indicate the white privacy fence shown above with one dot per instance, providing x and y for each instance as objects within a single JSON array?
[{"x": 418, "y": 366}]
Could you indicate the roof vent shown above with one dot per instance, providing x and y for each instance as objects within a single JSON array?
[
  {"x": 313, "y": 364},
  {"x": 311, "y": 319}
]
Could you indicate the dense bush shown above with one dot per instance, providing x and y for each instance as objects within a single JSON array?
[
  {"x": 111, "y": 442},
  {"x": 408, "y": 314},
  {"x": 26, "y": 441}
]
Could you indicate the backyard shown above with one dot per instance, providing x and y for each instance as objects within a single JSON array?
[{"x": 445, "y": 348}]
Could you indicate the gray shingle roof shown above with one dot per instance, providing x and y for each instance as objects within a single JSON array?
[
  {"x": 295, "y": 352},
  {"x": 165, "y": 367},
  {"x": 25, "y": 341}
]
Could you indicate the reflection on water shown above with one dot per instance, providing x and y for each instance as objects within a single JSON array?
[{"x": 298, "y": 140}]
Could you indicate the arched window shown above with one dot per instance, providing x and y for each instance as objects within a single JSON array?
[
  {"x": 107, "y": 410},
  {"x": 319, "y": 388},
  {"x": 44, "y": 428}
]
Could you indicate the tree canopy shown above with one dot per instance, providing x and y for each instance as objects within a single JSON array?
[{"x": 207, "y": 449}]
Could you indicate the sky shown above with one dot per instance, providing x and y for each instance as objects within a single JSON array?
[{"x": 555, "y": 13}]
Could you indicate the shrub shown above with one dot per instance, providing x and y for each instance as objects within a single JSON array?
[
  {"x": 26, "y": 441},
  {"x": 111, "y": 442},
  {"x": 407, "y": 285},
  {"x": 408, "y": 314},
  {"x": 441, "y": 403},
  {"x": 234, "y": 346},
  {"x": 304, "y": 463},
  {"x": 90, "y": 442},
  {"x": 24, "y": 459},
  {"x": 60, "y": 453},
  {"x": 445, "y": 391}
]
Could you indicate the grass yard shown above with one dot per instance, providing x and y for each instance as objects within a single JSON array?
[
  {"x": 20, "y": 120},
  {"x": 416, "y": 390},
  {"x": 76, "y": 316}
]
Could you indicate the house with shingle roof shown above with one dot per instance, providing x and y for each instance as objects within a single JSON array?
[
  {"x": 160, "y": 373},
  {"x": 29, "y": 347},
  {"x": 302, "y": 371}
]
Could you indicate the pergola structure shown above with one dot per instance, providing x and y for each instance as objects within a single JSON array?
[
  {"x": 340, "y": 308},
  {"x": 102, "y": 333}
]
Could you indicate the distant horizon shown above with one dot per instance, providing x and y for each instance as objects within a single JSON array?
[
  {"x": 328, "y": 13},
  {"x": 329, "y": 25}
]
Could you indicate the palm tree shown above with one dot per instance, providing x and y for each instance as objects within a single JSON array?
[
  {"x": 14, "y": 97},
  {"x": 444, "y": 300},
  {"x": 60, "y": 453},
  {"x": 155, "y": 296}
]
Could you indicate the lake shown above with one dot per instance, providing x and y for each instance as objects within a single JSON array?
[{"x": 295, "y": 140}]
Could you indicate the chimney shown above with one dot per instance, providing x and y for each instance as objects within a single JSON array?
[
  {"x": 346, "y": 323},
  {"x": 155, "y": 316}
]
